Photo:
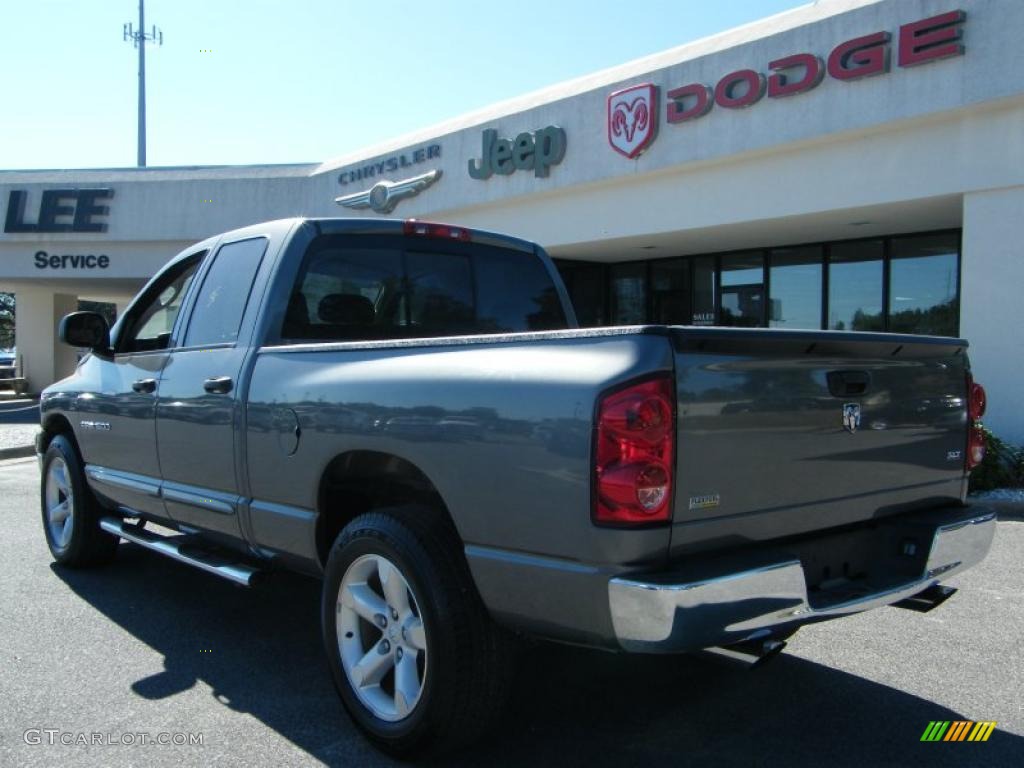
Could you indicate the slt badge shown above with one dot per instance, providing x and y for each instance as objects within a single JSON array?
[
  {"x": 383, "y": 196},
  {"x": 851, "y": 417}
]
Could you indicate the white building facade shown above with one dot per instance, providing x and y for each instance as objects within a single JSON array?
[{"x": 851, "y": 164}]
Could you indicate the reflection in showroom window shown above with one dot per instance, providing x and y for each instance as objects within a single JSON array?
[{"x": 923, "y": 285}]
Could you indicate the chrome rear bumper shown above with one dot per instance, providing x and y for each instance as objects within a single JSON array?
[{"x": 735, "y": 602}]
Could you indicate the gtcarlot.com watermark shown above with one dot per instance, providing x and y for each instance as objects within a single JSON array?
[{"x": 55, "y": 736}]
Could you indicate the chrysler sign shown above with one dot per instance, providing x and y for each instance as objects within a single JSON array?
[{"x": 632, "y": 111}]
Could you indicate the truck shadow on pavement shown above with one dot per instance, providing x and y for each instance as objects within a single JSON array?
[{"x": 260, "y": 652}]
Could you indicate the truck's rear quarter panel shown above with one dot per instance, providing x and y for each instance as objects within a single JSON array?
[{"x": 500, "y": 426}]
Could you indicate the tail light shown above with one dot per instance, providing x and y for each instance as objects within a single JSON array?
[
  {"x": 975, "y": 447},
  {"x": 634, "y": 454},
  {"x": 976, "y": 399},
  {"x": 439, "y": 231},
  {"x": 976, "y": 403}
]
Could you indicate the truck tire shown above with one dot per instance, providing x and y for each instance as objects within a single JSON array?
[
  {"x": 71, "y": 514},
  {"x": 416, "y": 659}
]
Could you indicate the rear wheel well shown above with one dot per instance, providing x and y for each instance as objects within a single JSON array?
[{"x": 360, "y": 481}]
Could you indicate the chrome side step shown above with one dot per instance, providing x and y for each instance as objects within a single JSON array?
[{"x": 174, "y": 547}]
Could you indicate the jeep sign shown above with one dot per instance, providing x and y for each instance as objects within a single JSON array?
[{"x": 536, "y": 152}]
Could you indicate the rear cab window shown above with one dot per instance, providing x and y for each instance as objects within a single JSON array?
[{"x": 368, "y": 287}]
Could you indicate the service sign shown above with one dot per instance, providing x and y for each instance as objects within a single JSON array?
[{"x": 81, "y": 259}]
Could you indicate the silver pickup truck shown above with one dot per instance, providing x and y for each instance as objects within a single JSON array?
[{"x": 408, "y": 411}]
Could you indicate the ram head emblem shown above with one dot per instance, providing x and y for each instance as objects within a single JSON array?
[{"x": 633, "y": 119}]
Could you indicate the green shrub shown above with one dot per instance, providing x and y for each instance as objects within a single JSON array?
[{"x": 1003, "y": 466}]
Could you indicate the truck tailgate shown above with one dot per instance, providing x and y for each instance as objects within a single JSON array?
[{"x": 782, "y": 433}]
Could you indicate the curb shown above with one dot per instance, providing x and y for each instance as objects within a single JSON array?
[{"x": 18, "y": 452}]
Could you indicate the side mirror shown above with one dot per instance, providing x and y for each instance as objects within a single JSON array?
[{"x": 85, "y": 329}]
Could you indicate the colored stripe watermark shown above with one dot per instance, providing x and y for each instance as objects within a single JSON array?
[{"x": 958, "y": 730}]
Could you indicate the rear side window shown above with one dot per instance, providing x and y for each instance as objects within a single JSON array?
[
  {"x": 348, "y": 290},
  {"x": 217, "y": 314}
]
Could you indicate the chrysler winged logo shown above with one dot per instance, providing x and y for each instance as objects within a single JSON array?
[
  {"x": 851, "y": 417},
  {"x": 633, "y": 119},
  {"x": 383, "y": 196}
]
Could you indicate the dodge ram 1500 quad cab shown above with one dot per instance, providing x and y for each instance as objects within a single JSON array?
[{"x": 408, "y": 411}]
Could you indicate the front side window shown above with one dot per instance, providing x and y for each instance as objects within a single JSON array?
[{"x": 148, "y": 326}]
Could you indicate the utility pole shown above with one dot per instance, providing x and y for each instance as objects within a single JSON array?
[{"x": 140, "y": 38}]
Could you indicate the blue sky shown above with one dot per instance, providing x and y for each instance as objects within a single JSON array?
[{"x": 278, "y": 81}]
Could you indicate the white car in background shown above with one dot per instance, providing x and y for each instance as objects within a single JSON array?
[
  {"x": 9, "y": 379},
  {"x": 8, "y": 358}
]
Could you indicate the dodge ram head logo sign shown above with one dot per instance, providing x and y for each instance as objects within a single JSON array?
[
  {"x": 633, "y": 115},
  {"x": 633, "y": 119},
  {"x": 851, "y": 417}
]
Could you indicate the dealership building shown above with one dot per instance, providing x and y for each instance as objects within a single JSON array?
[{"x": 849, "y": 165}]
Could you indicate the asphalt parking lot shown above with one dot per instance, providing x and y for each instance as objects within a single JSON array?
[
  {"x": 151, "y": 646},
  {"x": 19, "y": 422}
]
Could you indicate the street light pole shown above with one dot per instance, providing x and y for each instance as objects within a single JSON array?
[{"x": 140, "y": 38}]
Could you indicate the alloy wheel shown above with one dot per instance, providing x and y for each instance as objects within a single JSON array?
[
  {"x": 381, "y": 637},
  {"x": 60, "y": 503}
]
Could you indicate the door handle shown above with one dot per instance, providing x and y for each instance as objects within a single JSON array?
[
  {"x": 848, "y": 383},
  {"x": 145, "y": 386},
  {"x": 219, "y": 385}
]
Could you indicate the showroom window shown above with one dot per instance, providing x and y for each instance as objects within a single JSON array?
[
  {"x": 670, "y": 292},
  {"x": 855, "y": 286},
  {"x": 903, "y": 284},
  {"x": 923, "y": 285},
  {"x": 585, "y": 283},
  {"x": 629, "y": 293},
  {"x": 794, "y": 279},
  {"x": 705, "y": 283},
  {"x": 741, "y": 301}
]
